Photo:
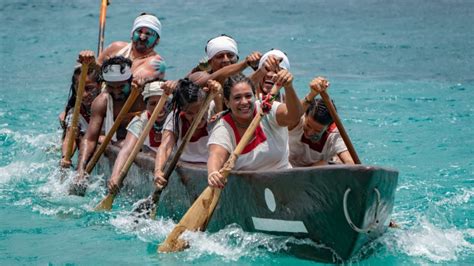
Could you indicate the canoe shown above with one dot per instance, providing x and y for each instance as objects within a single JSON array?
[{"x": 341, "y": 208}]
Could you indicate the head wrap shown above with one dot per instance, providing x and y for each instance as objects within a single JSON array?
[
  {"x": 220, "y": 44},
  {"x": 114, "y": 73},
  {"x": 148, "y": 21},
  {"x": 285, "y": 63},
  {"x": 152, "y": 89}
]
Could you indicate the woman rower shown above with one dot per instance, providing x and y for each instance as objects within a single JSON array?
[
  {"x": 268, "y": 150},
  {"x": 315, "y": 140},
  {"x": 91, "y": 90},
  {"x": 187, "y": 101},
  {"x": 151, "y": 95}
]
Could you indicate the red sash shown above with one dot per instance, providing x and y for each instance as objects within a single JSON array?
[
  {"x": 154, "y": 136},
  {"x": 198, "y": 134},
  {"x": 318, "y": 146},
  {"x": 259, "y": 135}
]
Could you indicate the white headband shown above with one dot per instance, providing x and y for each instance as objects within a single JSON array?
[
  {"x": 152, "y": 89},
  {"x": 285, "y": 63},
  {"x": 220, "y": 44},
  {"x": 148, "y": 21},
  {"x": 112, "y": 73}
]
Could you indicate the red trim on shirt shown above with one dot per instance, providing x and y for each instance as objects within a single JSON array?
[
  {"x": 318, "y": 146},
  {"x": 198, "y": 134},
  {"x": 154, "y": 136},
  {"x": 259, "y": 135}
]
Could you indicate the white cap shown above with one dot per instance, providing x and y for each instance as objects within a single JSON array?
[
  {"x": 220, "y": 44},
  {"x": 148, "y": 21},
  {"x": 152, "y": 89},
  {"x": 114, "y": 73},
  {"x": 285, "y": 63}
]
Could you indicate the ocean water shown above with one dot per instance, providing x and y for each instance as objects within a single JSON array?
[{"x": 402, "y": 77}]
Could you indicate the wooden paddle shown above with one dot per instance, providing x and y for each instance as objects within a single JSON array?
[
  {"x": 126, "y": 107},
  {"x": 106, "y": 203},
  {"x": 339, "y": 125},
  {"x": 103, "y": 13},
  {"x": 150, "y": 204},
  {"x": 198, "y": 216},
  {"x": 72, "y": 130}
]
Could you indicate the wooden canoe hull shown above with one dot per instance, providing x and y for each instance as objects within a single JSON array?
[{"x": 300, "y": 202}]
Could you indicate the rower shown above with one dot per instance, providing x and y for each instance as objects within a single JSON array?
[
  {"x": 268, "y": 150},
  {"x": 91, "y": 90},
  {"x": 117, "y": 75},
  {"x": 188, "y": 99},
  {"x": 151, "y": 94},
  {"x": 315, "y": 140},
  {"x": 269, "y": 64},
  {"x": 221, "y": 63},
  {"x": 145, "y": 36}
]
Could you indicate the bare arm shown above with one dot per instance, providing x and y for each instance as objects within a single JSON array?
[
  {"x": 127, "y": 146},
  {"x": 345, "y": 157},
  {"x": 218, "y": 155},
  {"x": 99, "y": 106},
  {"x": 166, "y": 147},
  {"x": 289, "y": 113}
]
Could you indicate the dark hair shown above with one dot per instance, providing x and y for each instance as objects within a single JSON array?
[
  {"x": 185, "y": 94},
  {"x": 319, "y": 112},
  {"x": 116, "y": 60},
  {"x": 234, "y": 80}
]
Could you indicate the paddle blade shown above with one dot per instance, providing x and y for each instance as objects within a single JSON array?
[
  {"x": 144, "y": 208},
  {"x": 106, "y": 203},
  {"x": 196, "y": 218}
]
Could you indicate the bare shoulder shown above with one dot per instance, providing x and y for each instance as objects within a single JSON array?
[
  {"x": 99, "y": 105},
  {"x": 111, "y": 50}
]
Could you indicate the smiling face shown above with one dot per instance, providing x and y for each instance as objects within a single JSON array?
[
  {"x": 241, "y": 101},
  {"x": 151, "y": 103},
  {"x": 267, "y": 82},
  {"x": 144, "y": 39}
]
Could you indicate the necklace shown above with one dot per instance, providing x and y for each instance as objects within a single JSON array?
[{"x": 238, "y": 124}]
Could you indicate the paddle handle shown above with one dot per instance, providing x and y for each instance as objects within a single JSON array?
[
  {"x": 187, "y": 137},
  {"x": 103, "y": 13},
  {"x": 143, "y": 136},
  {"x": 72, "y": 131},
  {"x": 340, "y": 127},
  {"x": 128, "y": 104}
]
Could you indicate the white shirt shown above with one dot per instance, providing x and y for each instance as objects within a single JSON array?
[
  {"x": 305, "y": 153},
  {"x": 196, "y": 149},
  {"x": 136, "y": 126},
  {"x": 268, "y": 150}
]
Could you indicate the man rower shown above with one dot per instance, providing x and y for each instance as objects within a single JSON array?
[
  {"x": 117, "y": 74},
  {"x": 145, "y": 36}
]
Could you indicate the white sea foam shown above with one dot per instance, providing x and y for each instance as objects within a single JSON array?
[
  {"x": 458, "y": 198},
  {"x": 438, "y": 245}
]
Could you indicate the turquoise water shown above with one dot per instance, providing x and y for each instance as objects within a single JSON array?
[{"x": 402, "y": 77}]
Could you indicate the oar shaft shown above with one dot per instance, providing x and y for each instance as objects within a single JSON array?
[
  {"x": 72, "y": 131},
  {"x": 340, "y": 127},
  {"x": 187, "y": 137},
  {"x": 103, "y": 13},
  {"x": 128, "y": 104},
  {"x": 143, "y": 136}
]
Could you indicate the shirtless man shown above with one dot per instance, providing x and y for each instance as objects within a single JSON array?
[
  {"x": 117, "y": 75},
  {"x": 145, "y": 35}
]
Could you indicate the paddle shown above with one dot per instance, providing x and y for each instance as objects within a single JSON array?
[
  {"x": 198, "y": 216},
  {"x": 123, "y": 112},
  {"x": 72, "y": 130},
  {"x": 339, "y": 125},
  {"x": 149, "y": 205},
  {"x": 106, "y": 203},
  {"x": 103, "y": 13}
]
